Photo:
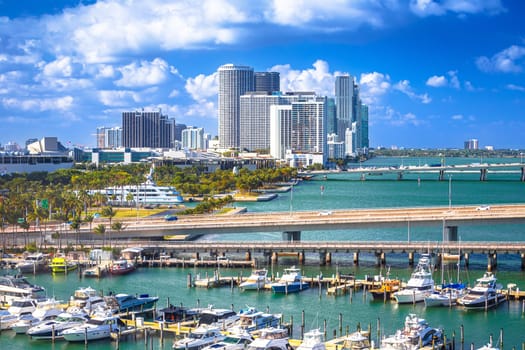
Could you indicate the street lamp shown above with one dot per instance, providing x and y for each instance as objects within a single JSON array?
[{"x": 449, "y": 191}]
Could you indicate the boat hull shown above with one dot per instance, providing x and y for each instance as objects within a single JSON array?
[
  {"x": 409, "y": 297},
  {"x": 482, "y": 304},
  {"x": 290, "y": 287}
]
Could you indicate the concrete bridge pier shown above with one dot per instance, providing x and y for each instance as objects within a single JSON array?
[
  {"x": 322, "y": 258},
  {"x": 522, "y": 256},
  {"x": 196, "y": 256},
  {"x": 483, "y": 175},
  {"x": 301, "y": 257},
  {"x": 328, "y": 259},
  {"x": 274, "y": 258},
  {"x": 452, "y": 233},
  {"x": 292, "y": 236},
  {"x": 466, "y": 257},
  {"x": 381, "y": 258},
  {"x": 441, "y": 175},
  {"x": 400, "y": 175},
  {"x": 248, "y": 256},
  {"x": 411, "y": 258},
  {"x": 439, "y": 257},
  {"x": 492, "y": 261},
  {"x": 356, "y": 258},
  {"x": 522, "y": 174}
]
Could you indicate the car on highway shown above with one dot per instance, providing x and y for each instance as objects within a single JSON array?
[
  {"x": 170, "y": 217},
  {"x": 325, "y": 213},
  {"x": 483, "y": 207}
]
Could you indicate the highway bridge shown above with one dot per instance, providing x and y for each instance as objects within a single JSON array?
[
  {"x": 292, "y": 223},
  {"x": 483, "y": 169}
]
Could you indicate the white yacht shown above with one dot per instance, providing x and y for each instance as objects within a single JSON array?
[
  {"x": 419, "y": 285},
  {"x": 290, "y": 282},
  {"x": 415, "y": 333},
  {"x": 202, "y": 336},
  {"x": 18, "y": 287},
  {"x": 100, "y": 326},
  {"x": 233, "y": 341},
  {"x": 45, "y": 310},
  {"x": 271, "y": 338},
  {"x": 484, "y": 295},
  {"x": 221, "y": 318},
  {"x": 53, "y": 329},
  {"x": 19, "y": 309},
  {"x": 313, "y": 340},
  {"x": 33, "y": 263},
  {"x": 257, "y": 280},
  {"x": 252, "y": 319},
  {"x": 86, "y": 300}
]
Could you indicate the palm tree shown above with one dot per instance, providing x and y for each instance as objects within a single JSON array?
[
  {"x": 75, "y": 225},
  {"x": 109, "y": 213},
  {"x": 118, "y": 226},
  {"x": 100, "y": 229}
]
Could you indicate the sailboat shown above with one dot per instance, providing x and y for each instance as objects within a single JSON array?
[{"x": 450, "y": 292}]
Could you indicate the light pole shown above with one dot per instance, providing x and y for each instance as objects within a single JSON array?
[{"x": 449, "y": 191}]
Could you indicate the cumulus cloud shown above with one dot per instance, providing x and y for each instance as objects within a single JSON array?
[
  {"x": 318, "y": 78},
  {"x": 203, "y": 86},
  {"x": 61, "y": 67},
  {"x": 373, "y": 86},
  {"x": 442, "y": 81},
  {"x": 510, "y": 60},
  {"x": 404, "y": 87},
  {"x": 515, "y": 87},
  {"x": 426, "y": 8},
  {"x": 457, "y": 117},
  {"x": 437, "y": 81},
  {"x": 390, "y": 116},
  {"x": 143, "y": 73},
  {"x": 118, "y": 98}
]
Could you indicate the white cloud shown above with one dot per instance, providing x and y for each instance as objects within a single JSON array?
[
  {"x": 454, "y": 80},
  {"x": 425, "y": 8},
  {"x": 404, "y": 87},
  {"x": 318, "y": 79},
  {"x": 457, "y": 117},
  {"x": 174, "y": 93},
  {"x": 39, "y": 104},
  {"x": 105, "y": 71},
  {"x": 437, "y": 81},
  {"x": 373, "y": 86},
  {"x": 144, "y": 73},
  {"x": 390, "y": 116},
  {"x": 118, "y": 98},
  {"x": 203, "y": 86},
  {"x": 510, "y": 60},
  {"x": 515, "y": 87},
  {"x": 61, "y": 67}
]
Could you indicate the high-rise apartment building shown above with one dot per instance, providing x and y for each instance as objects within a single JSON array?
[
  {"x": 471, "y": 144},
  {"x": 267, "y": 82},
  {"x": 109, "y": 137},
  {"x": 193, "y": 138},
  {"x": 146, "y": 129},
  {"x": 280, "y": 130},
  {"x": 254, "y": 119},
  {"x": 308, "y": 126},
  {"x": 344, "y": 99},
  {"x": 234, "y": 81}
]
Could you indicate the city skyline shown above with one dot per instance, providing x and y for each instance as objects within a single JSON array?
[{"x": 433, "y": 73}]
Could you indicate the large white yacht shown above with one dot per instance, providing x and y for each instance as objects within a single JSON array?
[
  {"x": 484, "y": 295},
  {"x": 420, "y": 283}
]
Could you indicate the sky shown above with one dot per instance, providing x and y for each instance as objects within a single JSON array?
[{"x": 434, "y": 73}]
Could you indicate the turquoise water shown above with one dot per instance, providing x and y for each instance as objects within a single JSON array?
[{"x": 340, "y": 191}]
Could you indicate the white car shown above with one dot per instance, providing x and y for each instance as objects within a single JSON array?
[
  {"x": 324, "y": 213},
  {"x": 483, "y": 207}
]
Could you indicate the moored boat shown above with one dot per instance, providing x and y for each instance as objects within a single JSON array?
[
  {"x": 202, "y": 336},
  {"x": 290, "y": 282},
  {"x": 121, "y": 267},
  {"x": 33, "y": 263},
  {"x": 59, "y": 264},
  {"x": 271, "y": 338},
  {"x": 419, "y": 285},
  {"x": 127, "y": 303},
  {"x": 313, "y": 340},
  {"x": 416, "y": 333},
  {"x": 257, "y": 280},
  {"x": 99, "y": 326},
  {"x": 53, "y": 329},
  {"x": 387, "y": 288},
  {"x": 45, "y": 310},
  {"x": 485, "y": 294}
]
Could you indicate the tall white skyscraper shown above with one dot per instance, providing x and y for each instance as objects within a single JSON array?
[
  {"x": 234, "y": 81},
  {"x": 344, "y": 96},
  {"x": 280, "y": 130}
]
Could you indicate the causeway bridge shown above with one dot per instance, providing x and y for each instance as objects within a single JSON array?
[{"x": 483, "y": 169}]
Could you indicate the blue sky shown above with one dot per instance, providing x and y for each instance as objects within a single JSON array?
[{"x": 434, "y": 72}]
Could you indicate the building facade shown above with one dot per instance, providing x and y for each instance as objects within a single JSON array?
[
  {"x": 193, "y": 138},
  {"x": 109, "y": 137},
  {"x": 267, "y": 82},
  {"x": 147, "y": 129}
]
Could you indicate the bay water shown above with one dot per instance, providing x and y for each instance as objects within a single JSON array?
[{"x": 340, "y": 191}]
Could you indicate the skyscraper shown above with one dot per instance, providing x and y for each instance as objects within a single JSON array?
[
  {"x": 145, "y": 129},
  {"x": 255, "y": 120},
  {"x": 344, "y": 97},
  {"x": 267, "y": 82},
  {"x": 234, "y": 81}
]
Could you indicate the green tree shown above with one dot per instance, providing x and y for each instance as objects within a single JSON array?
[
  {"x": 109, "y": 212},
  {"x": 100, "y": 230}
]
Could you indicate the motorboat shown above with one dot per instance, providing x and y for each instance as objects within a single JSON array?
[
  {"x": 99, "y": 326},
  {"x": 290, "y": 282},
  {"x": 95, "y": 272},
  {"x": 416, "y": 333},
  {"x": 13, "y": 287},
  {"x": 33, "y": 263},
  {"x": 221, "y": 318},
  {"x": 251, "y": 319},
  {"x": 86, "y": 300},
  {"x": 271, "y": 338},
  {"x": 419, "y": 285},
  {"x": 45, "y": 310},
  {"x": 127, "y": 303},
  {"x": 313, "y": 340},
  {"x": 233, "y": 341},
  {"x": 447, "y": 296},
  {"x": 386, "y": 289},
  {"x": 356, "y": 341},
  {"x": 19, "y": 309},
  {"x": 121, "y": 267},
  {"x": 257, "y": 280},
  {"x": 484, "y": 295},
  {"x": 59, "y": 264},
  {"x": 202, "y": 336},
  {"x": 53, "y": 329}
]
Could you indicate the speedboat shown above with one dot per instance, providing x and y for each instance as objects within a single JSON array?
[
  {"x": 484, "y": 295},
  {"x": 233, "y": 341},
  {"x": 59, "y": 264},
  {"x": 252, "y": 319},
  {"x": 13, "y": 287},
  {"x": 271, "y": 338},
  {"x": 100, "y": 326},
  {"x": 415, "y": 333},
  {"x": 257, "y": 280},
  {"x": 202, "y": 336},
  {"x": 386, "y": 289},
  {"x": 290, "y": 282},
  {"x": 33, "y": 263},
  {"x": 53, "y": 329},
  {"x": 121, "y": 267},
  {"x": 86, "y": 300},
  {"x": 419, "y": 285},
  {"x": 356, "y": 341},
  {"x": 45, "y": 310},
  {"x": 127, "y": 303},
  {"x": 19, "y": 309},
  {"x": 448, "y": 295},
  {"x": 313, "y": 340},
  {"x": 221, "y": 318}
]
